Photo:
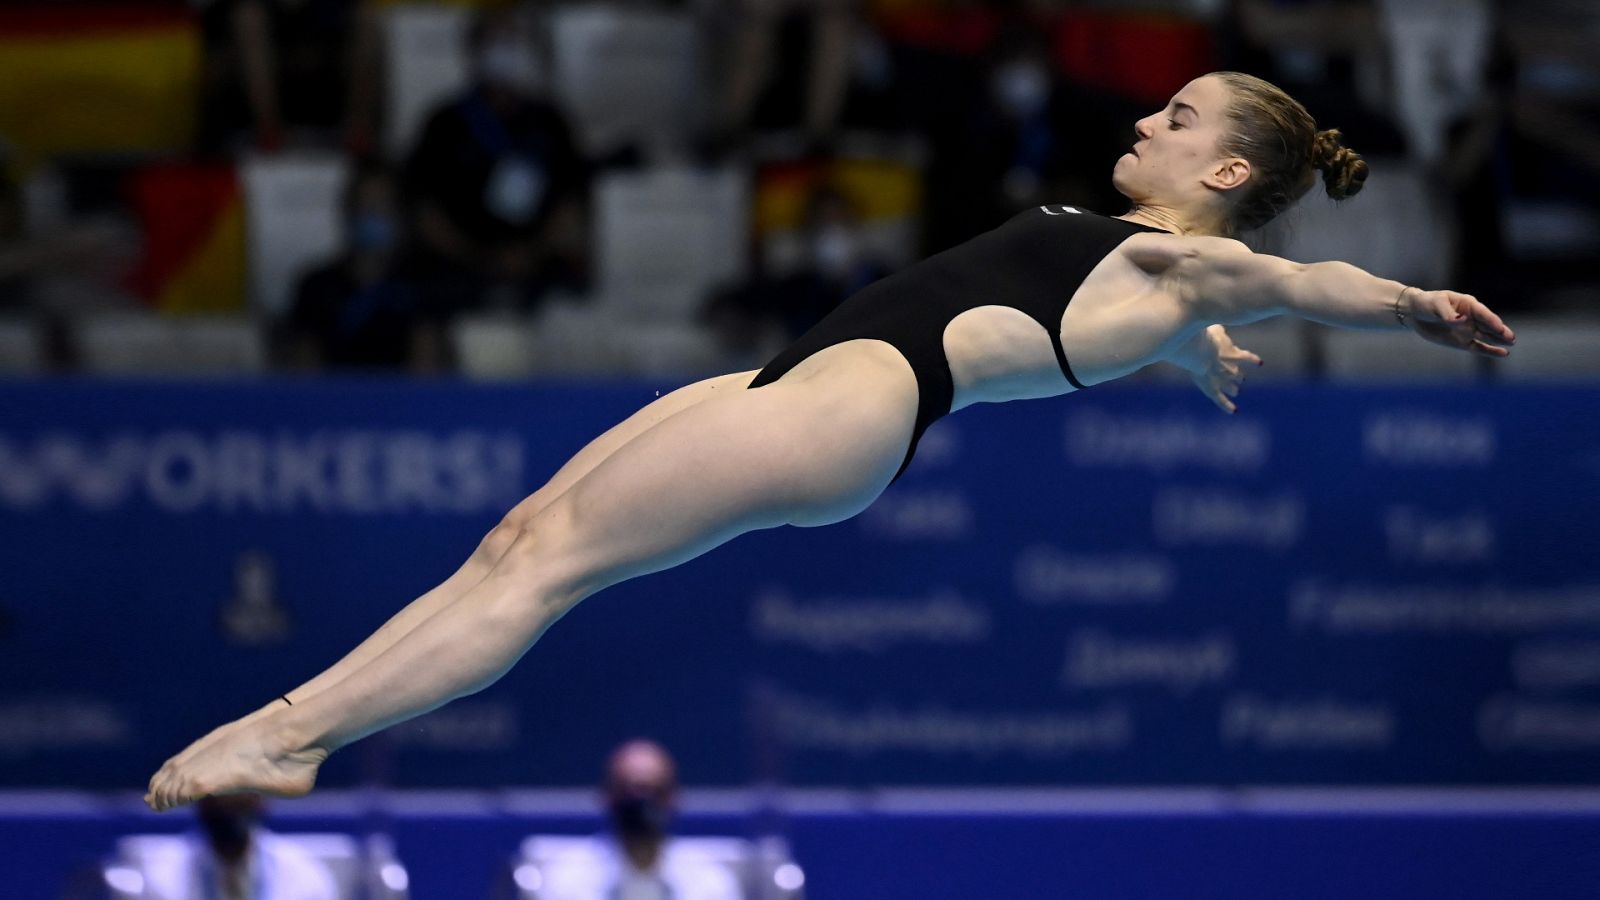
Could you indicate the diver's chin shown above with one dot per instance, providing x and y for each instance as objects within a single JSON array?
[{"x": 1120, "y": 183}]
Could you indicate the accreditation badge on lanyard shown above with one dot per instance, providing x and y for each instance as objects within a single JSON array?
[
  {"x": 515, "y": 187},
  {"x": 516, "y": 183}
]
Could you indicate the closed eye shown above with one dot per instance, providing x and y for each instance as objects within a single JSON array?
[{"x": 1173, "y": 124}]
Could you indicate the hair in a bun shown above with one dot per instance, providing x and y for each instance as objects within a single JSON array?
[
  {"x": 1279, "y": 138},
  {"x": 1343, "y": 170}
]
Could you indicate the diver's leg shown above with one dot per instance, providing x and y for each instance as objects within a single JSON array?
[
  {"x": 494, "y": 544},
  {"x": 802, "y": 452},
  {"x": 500, "y": 538}
]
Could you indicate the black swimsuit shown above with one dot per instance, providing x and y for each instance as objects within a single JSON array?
[{"x": 1033, "y": 263}]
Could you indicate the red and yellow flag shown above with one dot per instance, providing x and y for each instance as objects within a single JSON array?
[
  {"x": 85, "y": 79},
  {"x": 193, "y": 222}
]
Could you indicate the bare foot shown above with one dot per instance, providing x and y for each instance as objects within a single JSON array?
[
  {"x": 244, "y": 757},
  {"x": 222, "y": 731}
]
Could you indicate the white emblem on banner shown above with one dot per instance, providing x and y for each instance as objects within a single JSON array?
[
  {"x": 1507, "y": 722},
  {"x": 1417, "y": 438},
  {"x": 1045, "y": 575},
  {"x": 253, "y": 616},
  {"x": 1097, "y": 660},
  {"x": 1323, "y": 723},
  {"x": 1417, "y": 536}
]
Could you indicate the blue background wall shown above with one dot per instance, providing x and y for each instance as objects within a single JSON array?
[{"x": 1335, "y": 586}]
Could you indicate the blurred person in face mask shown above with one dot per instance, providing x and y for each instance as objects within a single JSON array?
[
  {"x": 495, "y": 188},
  {"x": 1022, "y": 91},
  {"x": 1026, "y": 136},
  {"x": 781, "y": 303},
  {"x": 640, "y": 861},
  {"x": 364, "y": 309},
  {"x": 233, "y": 858}
]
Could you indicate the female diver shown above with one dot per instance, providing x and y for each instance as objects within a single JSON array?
[{"x": 1053, "y": 300}]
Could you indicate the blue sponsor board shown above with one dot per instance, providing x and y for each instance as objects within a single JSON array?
[{"x": 1335, "y": 586}]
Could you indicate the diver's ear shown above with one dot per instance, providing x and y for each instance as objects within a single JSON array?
[{"x": 1229, "y": 173}]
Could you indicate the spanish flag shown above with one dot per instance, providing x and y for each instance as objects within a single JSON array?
[{"x": 88, "y": 79}]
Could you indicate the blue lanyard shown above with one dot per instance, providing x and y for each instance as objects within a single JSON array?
[{"x": 491, "y": 133}]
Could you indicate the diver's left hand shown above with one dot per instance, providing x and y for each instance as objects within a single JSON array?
[
  {"x": 1216, "y": 365},
  {"x": 1461, "y": 321}
]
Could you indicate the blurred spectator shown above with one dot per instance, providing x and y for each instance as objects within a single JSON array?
[
  {"x": 12, "y": 277},
  {"x": 1024, "y": 136},
  {"x": 1329, "y": 55},
  {"x": 495, "y": 187},
  {"x": 640, "y": 862},
  {"x": 1475, "y": 168},
  {"x": 52, "y": 264},
  {"x": 234, "y": 858},
  {"x": 281, "y": 71},
  {"x": 835, "y": 262},
  {"x": 364, "y": 309},
  {"x": 790, "y": 64}
]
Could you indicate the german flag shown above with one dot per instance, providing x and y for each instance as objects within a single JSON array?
[
  {"x": 88, "y": 79},
  {"x": 880, "y": 190}
]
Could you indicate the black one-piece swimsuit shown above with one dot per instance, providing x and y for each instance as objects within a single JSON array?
[{"x": 1034, "y": 263}]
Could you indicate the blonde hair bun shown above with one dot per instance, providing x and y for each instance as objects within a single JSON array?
[{"x": 1343, "y": 170}]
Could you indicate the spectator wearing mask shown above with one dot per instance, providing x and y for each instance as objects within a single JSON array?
[
  {"x": 364, "y": 309},
  {"x": 1025, "y": 138},
  {"x": 1328, "y": 54},
  {"x": 495, "y": 186},
  {"x": 640, "y": 861},
  {"x": 834, "y": 262},
  {"x": 234, "y": 858},
  {"x": 287, "y": 72},
  {"x": 789, "y": 65}
]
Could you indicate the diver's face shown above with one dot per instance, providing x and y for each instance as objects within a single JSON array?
[{"x": 1177, "y": 157}]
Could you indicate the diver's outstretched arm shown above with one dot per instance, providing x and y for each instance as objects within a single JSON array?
[{"x": 1223, "y": 281}]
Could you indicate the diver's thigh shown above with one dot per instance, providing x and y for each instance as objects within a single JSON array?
[
  {"x": 608, "y": 441},
  {"x": 754, "y": 459}
]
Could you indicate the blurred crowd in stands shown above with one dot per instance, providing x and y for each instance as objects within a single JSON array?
[
  {"x": 229, "y": 854},
  {"x": 518, "y": 187}
]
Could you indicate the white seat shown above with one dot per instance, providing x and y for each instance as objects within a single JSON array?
[
  {"x": 1438, "y": 53},
  {"x": 586, "y": 339},
  {"x": 665, "y": 237},
  {"x": 21, "y": 348},
  {"x": 572, "y": 338},
  {"x": 765, "y": 870},
  {"x": 494, "y": 346},
  {"x": 222, "y": 344},
  {"x": 294, "y": 219},
  {"x": 425, "y": 63},
  {"x": 357, "y": 870},
  {"x": 1552, "y": 349},
  {"x": 666, "y": 348},
  {"x": 151, "y": 344},
  {"x": 1389, "y": 356},
  {"x": 626, "y": 74}
]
